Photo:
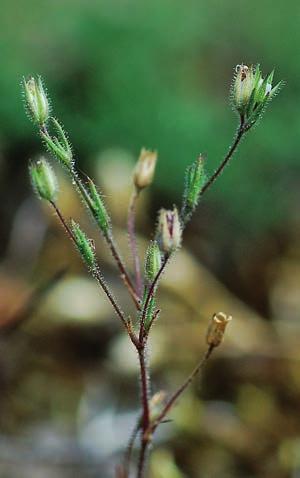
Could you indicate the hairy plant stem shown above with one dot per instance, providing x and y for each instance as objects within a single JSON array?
[
  {"x": 124, "y": 275},
  {"x": 146, "y": 434},
  {"x": 132, "y": 241},
  {"x": 63, "y": 222},
  {"x": 145, "y": 395},
  {"x": 242, "y": 129},
  {"x": 117, "y": 308},
  {"x": 96, "y": 273}
]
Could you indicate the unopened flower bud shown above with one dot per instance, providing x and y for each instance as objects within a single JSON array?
[
  {"x": 98, "y": 208},
  {"x": 43, "y": 179},
  {"x": 36, "y": 100},
  {"x": 243, "y": 87},
  {"x": 195, "y": 178},
  {"x": 169, "y": 231},
  {"x": 251, "y": 92},
  {"x": 153, "y": 261},
  {"x": 144, "y": 169},
  {"x": 84, "y": 245},
  {"x": 216, "y": 328}
]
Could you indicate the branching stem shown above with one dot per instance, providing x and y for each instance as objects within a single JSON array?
[
  {"x": 182, "y": 388},
  {"x": 109, "y": 240},
  {"x": 108, "y": 237},
  {"x": 149, "y": 296},
  {"x": 133, "y": 242},
  {"x": 96, "y": 273}
]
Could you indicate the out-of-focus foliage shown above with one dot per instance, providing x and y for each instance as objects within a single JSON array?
[{"x": 157, "y": 74}]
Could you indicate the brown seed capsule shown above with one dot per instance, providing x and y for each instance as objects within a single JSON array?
[
  {"x": 216, "y": 328},
  {"x": 144, "y": 169}
]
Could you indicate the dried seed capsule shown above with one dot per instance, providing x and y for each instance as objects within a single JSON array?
[
  {"x": 216, "y": 328},
  {"x": 144, "y": 169},
  {"x": 43, "y": 179}
]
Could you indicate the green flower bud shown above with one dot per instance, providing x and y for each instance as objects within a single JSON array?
[
  {"x": 98, "y": 209},
  {"x": 59, "y": 145},
  {"x": 252, "y": 92},
  {"x": 144, "y": 169},
  {"x": 243, "y": 87},
  {"x": 195, "y": 178},
  {"x": 153, "y": 261},
  {"x": 169, "y": 231},
  {"x": 43, "y": 179},
  {"x": 150, "y": 309},
  {"x": 36, "y": 100},
  {"x": 84, "y": 245}
]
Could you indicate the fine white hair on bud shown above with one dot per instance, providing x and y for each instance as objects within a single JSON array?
[
  {"x": 36, "y": 100},
  {"x": 43, "y": 179},
  {"x": 144, "y": 169},
  {"x": 153, "y": 261},
  {"x": 216, "y": 328},
  {"x": 59, "y": 145},
  {"x": 251, "y": 92},
  {"x": 84, "y": 245}
]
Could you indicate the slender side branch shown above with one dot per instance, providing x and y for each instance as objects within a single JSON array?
[
  {"x": 108, "y": 237},
  {"x": 63, "y": 222},
  {"x": 182, "y": 388},
  {"x": 111, "y": 244},
  {"x": 124, "y": 274},
  {"x": 133, "y": 242},
  {"x": 116, "y": 307},
  {"x": 149, "y": 296},
  {"x": 239, "y": 134},
  {"x": 96, "y": 273},
  {"x": 155, "y": 315}
]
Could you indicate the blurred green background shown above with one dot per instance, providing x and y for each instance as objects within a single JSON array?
[{"x": 122, "y": 75}]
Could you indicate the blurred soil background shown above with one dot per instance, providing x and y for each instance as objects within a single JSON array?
[{"x": 123, "y": 75}]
